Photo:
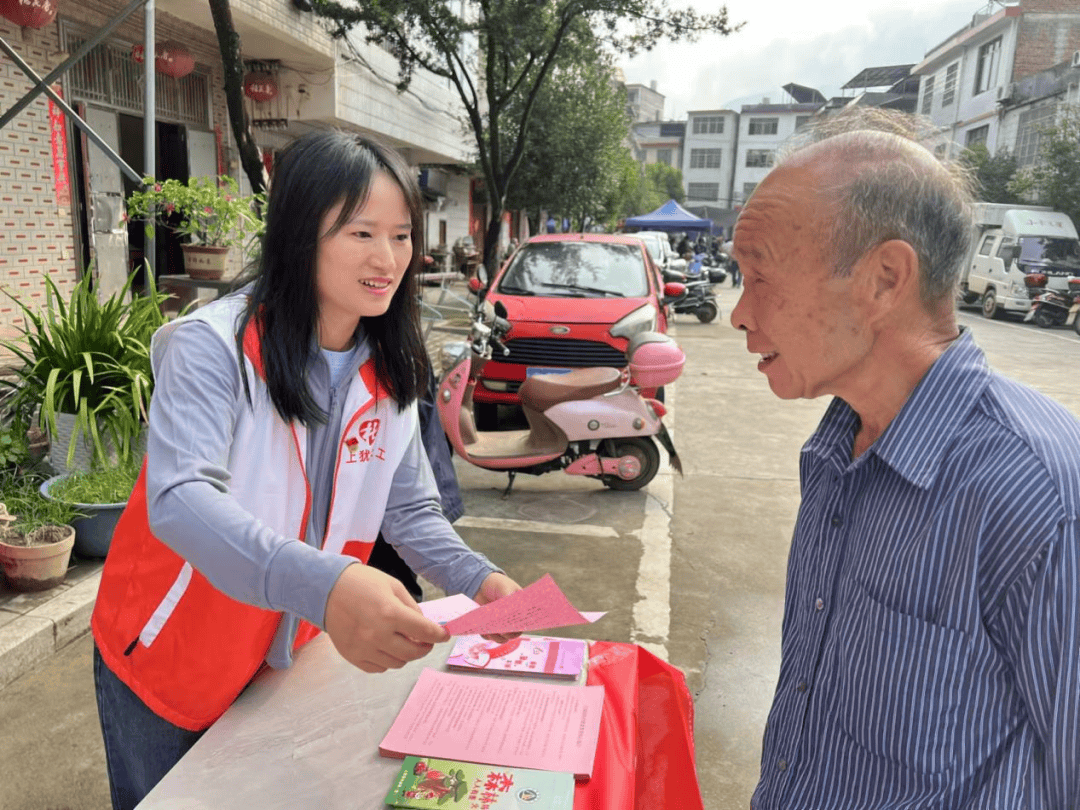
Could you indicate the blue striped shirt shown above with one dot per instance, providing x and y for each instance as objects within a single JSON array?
[{"x": 931, "y": 633}]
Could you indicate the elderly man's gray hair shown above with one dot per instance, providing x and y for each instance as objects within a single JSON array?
[{"x": 887, "y": 186}]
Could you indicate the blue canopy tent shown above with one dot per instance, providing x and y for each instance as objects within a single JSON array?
[{"x": 669, "y": 217}]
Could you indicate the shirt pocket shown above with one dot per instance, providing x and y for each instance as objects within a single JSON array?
[{"x": 900, "y": 682}]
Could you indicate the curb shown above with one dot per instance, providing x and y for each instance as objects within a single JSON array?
[{"x": 34, "y": 636}]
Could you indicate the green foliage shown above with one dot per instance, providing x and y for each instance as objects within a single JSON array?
[
  {"x": 1054, "y": 180},
  {"x": 650, "y": 187},
  {"x": 211, "y": 211},
  {"x": 993, "y": 173},
  {"x": 499, "y": 54},
  {"x": 88, "y": 358},
  {"x": 20, "y": 495},
  {"x": 14, "y": 448},
  {"x": 104, "y": 486},
  {"x": 574, "y": 148}
]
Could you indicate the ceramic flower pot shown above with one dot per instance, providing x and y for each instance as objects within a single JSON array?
[
  {"x": 37, "y": 567},
  {"x": 202, "y": 261}
]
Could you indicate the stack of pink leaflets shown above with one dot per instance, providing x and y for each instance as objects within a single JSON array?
[{"x": 495, "y": 721}]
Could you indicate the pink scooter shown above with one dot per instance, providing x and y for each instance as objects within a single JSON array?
[{"x": 587, "y": 421}]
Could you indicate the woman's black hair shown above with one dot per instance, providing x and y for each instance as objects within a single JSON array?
[{"x": 311, "y": 176}]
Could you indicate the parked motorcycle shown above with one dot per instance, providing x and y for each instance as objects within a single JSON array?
[
  {"x": 586, "y": 421},
  {"x": 1052, "y": 307},
  {"x": 699, "y": 298}
]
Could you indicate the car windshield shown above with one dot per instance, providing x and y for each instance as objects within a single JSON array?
[
  {"x": 589, "y": 269},
  {"x": 1046, "y": 249}
]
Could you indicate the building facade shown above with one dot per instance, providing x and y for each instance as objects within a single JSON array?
[
  {"x": 762, "y": 130},
  {"x": 708, "y": 163},
  {"x": 966, "y": 79},
  {"x": 62, "y": 198},
  {"x": 644, "y": 102}
]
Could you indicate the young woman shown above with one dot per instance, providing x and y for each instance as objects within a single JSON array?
[{"x": 283, "y": 438}]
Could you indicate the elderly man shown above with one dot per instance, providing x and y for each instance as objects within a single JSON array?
[{"x": 931, "y": 633}]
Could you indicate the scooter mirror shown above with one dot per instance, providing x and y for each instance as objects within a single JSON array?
[
  {"x": 674, "y": 289},
  {"x": 475, "y": 285}
]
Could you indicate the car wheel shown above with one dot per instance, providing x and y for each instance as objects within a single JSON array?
[
  {"x": 486, "y": 415},
  {"x": 643, "y": 449},
  {"x": 707, "y": 312},
  {"x": 990, "y": 308}
]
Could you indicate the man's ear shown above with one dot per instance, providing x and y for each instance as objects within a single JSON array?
[{"x": 893, "y": 274}]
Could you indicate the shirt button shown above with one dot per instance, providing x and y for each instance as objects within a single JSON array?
[
  {"x": 837, "y": 520},
  {"x": 819, "y": 604},
  {"x": 782, "y": 764},
  {"x": 802, "y": 687}
]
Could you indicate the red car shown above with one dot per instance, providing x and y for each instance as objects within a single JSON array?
[{"x": 574, "y": 300}]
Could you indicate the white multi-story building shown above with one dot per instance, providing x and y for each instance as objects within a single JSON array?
[
  {"x": 708, "y": 163},
  {"x": 965, "y": 77},
  {"x": 645, "y": 103},
  {"x": 659, "y": 142},
  {"x": 762, "y": 129}
]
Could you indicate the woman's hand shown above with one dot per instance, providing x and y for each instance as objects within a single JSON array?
[
  {"x": 496, "y": 586},
  {"x": 375, "y": 624}
]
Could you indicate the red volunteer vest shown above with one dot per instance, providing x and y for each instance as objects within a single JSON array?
[{"x": 184, "y": 647}]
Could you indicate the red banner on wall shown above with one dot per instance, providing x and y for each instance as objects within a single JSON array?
[{"x": 58, "y": 137}]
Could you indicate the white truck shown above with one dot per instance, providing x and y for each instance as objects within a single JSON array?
[{"x": 1011, "y": 242}]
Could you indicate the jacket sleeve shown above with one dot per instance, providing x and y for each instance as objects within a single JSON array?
[
  {"x": 197, "y": 396},
  {"x": 415, "y": 525}
]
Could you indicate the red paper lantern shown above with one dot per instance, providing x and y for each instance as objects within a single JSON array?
[
  {"x": 260, "y": 86},
  {"x": 174, "y": 60},
  {"x": 29, "y": 13},
  {"x": 138, "y": 54}
]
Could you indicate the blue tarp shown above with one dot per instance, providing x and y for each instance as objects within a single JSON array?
[{"x": 669, "y": 217}]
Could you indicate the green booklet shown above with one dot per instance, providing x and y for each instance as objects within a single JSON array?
[{"x": 427, "y": 784}]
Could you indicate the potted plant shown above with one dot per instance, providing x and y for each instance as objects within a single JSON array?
[
  {"x": 210, "y": 212},
  {"x": 98, "y": 497},
  {"x": 85, "y": 373},
  {"x": 36, "y": 535}
]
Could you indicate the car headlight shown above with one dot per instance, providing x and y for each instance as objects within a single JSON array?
[
  {"x": 642, "y": 319},
  {"x": 1017, "y": 290}
]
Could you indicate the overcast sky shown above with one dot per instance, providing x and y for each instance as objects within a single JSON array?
[{"x": 819, "y": 44}]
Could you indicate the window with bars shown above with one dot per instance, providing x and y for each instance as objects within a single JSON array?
[
  {"x": 759, "y": 158},
  {"x": 763, "y": 126},
  {"x": 703, "y": 191},
  {"x": 109, "y": 75},
  {"x": 708, "y": 124},
  {"x": 663, "y": 156},
  {"x": 928, "y": 95},
  {"x": 948, "y": 91},
  {"x": 705, "y": 158},
  {"x": 977, "y": 135},
  {"x": 1029, "y": 131}
]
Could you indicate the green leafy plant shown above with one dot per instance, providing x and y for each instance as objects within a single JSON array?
[
  {"x": 209, "y": 211},
  {"x": 31, "y": 510},
  {"x": 91, "y": 359},
  {"x": 104, "y": 486}
]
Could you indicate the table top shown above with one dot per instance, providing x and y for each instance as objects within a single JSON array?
[
  {"x": 306, "y": 736},
  {"x": 185, "y": 280}
]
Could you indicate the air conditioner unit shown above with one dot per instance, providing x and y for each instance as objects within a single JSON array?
[
  {"x": 1076, "y": 59},
  {"x": 1006, "y": 92}
]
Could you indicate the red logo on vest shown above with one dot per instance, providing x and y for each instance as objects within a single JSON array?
[{"x": 367, "y": 432}]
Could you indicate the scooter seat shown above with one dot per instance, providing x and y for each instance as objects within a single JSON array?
[{"x": 541, "y": 391}]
